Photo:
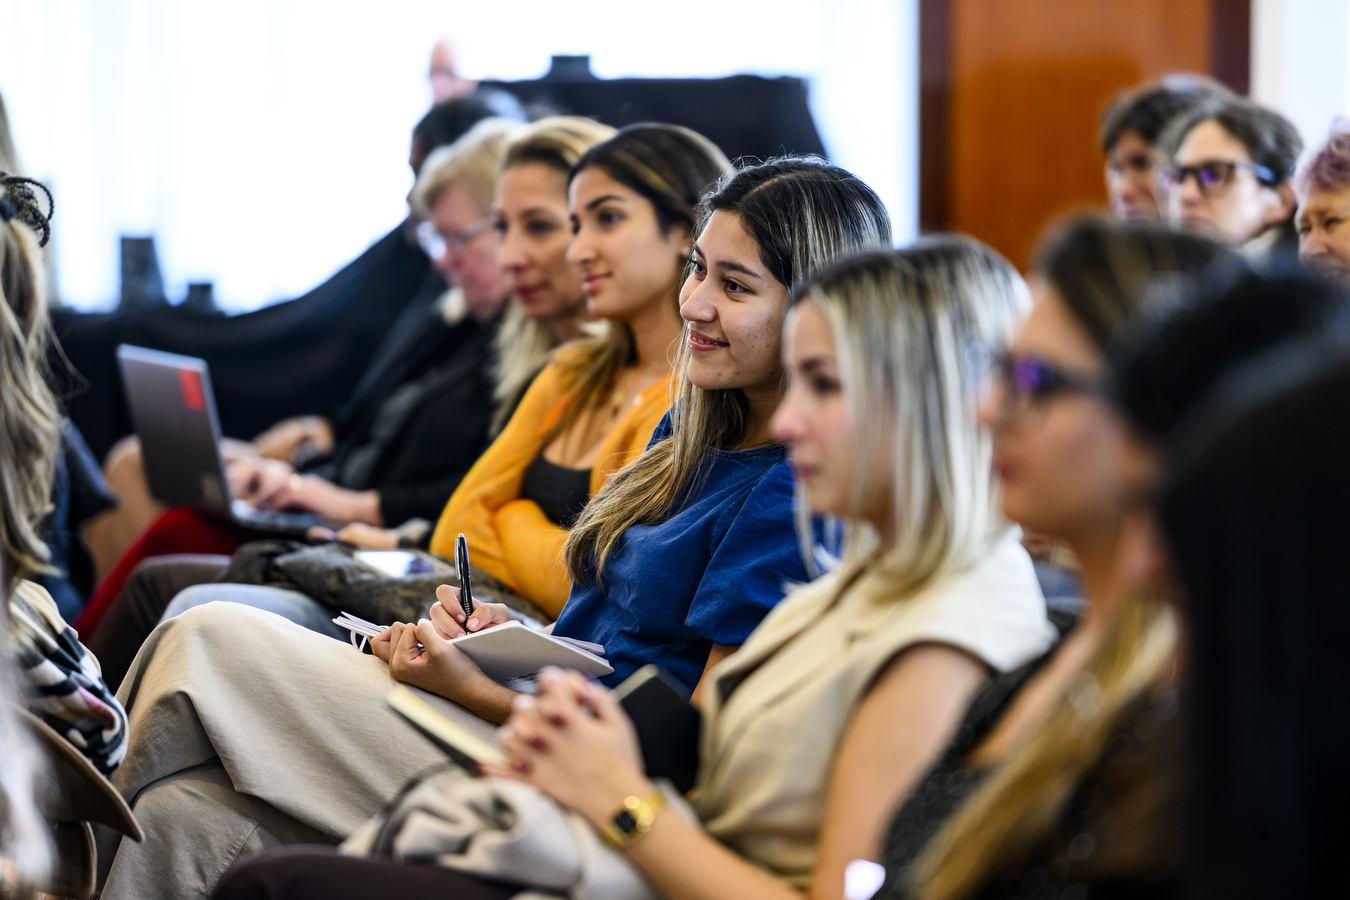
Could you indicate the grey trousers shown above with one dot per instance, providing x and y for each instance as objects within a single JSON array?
[{"x": 248, "y": 731}]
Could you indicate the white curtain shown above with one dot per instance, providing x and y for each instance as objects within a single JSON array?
[{"x": 264, "y": 142}]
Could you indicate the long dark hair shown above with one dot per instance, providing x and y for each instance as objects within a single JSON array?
[
  {"x": 670, "y": 166},
  {"x": 1254, "y": 514},
  {"x": 803, "y": 213}
]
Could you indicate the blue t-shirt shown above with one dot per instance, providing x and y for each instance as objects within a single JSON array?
[{"x": 706, "y": 575}]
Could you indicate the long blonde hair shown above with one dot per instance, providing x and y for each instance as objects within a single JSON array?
[
  {"x": 1103, "y": 270},
  {"x": 913, "y": 330},
  {"x": 29, "y": 419},
  {"x": 29, "y": 434},
  {"x": 802, "y": 213},
  {"x": 1023, "y": 798},
  {"x": 671, "y": 166},
  {"x": 523, "y": 344}
]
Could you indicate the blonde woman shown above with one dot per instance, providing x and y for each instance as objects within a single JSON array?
[
  {"x": 994, "y": 817},
  {"x": 845, "y": 692}
]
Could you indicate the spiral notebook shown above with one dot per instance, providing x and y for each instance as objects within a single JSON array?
[{"x": 511, "y": 653}]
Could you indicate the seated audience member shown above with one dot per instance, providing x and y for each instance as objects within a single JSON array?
[
  {"x": 1262, "y": 572},
  {"x": 1002, "y": 813},
  {"x": 409, "y": 451},
  {"x": 547, "y": 308},
  {"x": 867, "y": 670},
  {"x": 1128, "y": 135},
  {"x": 724, "y": 485},
  {"x": 303, "y": 438},
  {"x": 60, "y": 681},
  {"x": 1229, "y": 176},
  {"x": 1323, "y": 185}
]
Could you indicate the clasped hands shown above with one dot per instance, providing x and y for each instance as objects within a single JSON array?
[{"x": 574, "y": 742}]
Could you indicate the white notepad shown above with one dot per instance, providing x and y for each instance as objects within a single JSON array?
[{"x": 510, "y": 653}]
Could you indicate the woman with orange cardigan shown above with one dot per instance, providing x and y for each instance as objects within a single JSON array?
[{"x": 593, "y": 409}]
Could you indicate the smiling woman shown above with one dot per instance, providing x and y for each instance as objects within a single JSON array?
[{"x": 764, "y": 231}]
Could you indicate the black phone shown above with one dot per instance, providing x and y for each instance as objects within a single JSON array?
[
  {"x": 465, "y": 586},
  {"x": 667, "y": 726}
]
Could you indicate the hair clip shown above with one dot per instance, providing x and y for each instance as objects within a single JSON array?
[{"x": 18, "y": 201}]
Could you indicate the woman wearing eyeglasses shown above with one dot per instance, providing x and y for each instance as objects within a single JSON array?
[
  {"x": 1023, "y": 801},
  {"x": 1230, "y": 176}
]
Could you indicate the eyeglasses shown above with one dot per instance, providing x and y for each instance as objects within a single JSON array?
[
  {"x": 1030, "y": 381},
  {"x": 1213, "y": 175},
  {"x": 436, "y": 244}
]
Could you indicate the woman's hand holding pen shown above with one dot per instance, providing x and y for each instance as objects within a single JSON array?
[
  {"x": 425, "y": 656},
  {"x": 448, "y": 615}
]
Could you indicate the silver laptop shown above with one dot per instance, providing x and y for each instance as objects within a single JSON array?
[{"x": 174, "y": 414}]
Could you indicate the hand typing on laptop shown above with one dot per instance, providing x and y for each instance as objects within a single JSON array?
[{"x": 272, "y": 484}]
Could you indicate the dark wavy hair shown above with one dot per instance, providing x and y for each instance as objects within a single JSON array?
[
  {"x": 29, "y": 418},
  {"x": 803, "y": 213}
]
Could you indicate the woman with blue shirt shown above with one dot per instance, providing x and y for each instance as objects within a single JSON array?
[{"x": 249, "y": 731}]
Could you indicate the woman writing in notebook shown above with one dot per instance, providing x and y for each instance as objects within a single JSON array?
[
  {"x": 843, "y": 696},
  {"x": 239, "y": 785}
]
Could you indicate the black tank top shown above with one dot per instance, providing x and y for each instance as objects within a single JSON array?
[{"x": 560, "y": 492}]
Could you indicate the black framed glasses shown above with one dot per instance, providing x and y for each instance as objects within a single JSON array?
[
  {"x": 1213, "y": 175},
  {"x": 1030, "y": 381}
]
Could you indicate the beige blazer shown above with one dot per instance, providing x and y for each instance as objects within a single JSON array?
[{"x": 780, "y": 705}]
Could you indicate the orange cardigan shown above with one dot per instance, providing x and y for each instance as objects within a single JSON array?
[{"x": 511, "y": 538}]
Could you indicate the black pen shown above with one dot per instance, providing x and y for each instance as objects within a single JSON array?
[{"x": 465, "y": 587}]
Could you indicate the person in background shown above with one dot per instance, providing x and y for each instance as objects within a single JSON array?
[
  {"x": 728, "y": 541},
  {"x": 1323, "y": 185},
  {"x": 1000, "y": 813},
  {"x": 1128, "y": 134},
  {"x": 1229, "y": 176},
  {"x": 410, "y": 450},
  {"x": 443, "y": 73}
]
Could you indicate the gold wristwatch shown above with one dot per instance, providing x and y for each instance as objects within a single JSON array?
[{"x": 634, "y": 819}]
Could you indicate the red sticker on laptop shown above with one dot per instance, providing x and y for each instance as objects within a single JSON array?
[{"x": 194, "y": 398}]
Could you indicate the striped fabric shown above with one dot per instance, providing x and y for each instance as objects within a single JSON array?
[{"x": 62, "y": 682}]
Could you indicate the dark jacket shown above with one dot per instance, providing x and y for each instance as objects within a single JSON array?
[{"x": 420, "y": 419}]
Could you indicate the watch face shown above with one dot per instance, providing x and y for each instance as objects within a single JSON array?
[{"x": 625, "y": 822}]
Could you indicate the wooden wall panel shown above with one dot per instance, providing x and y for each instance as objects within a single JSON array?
[{"x": 1026, "y": 81}]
